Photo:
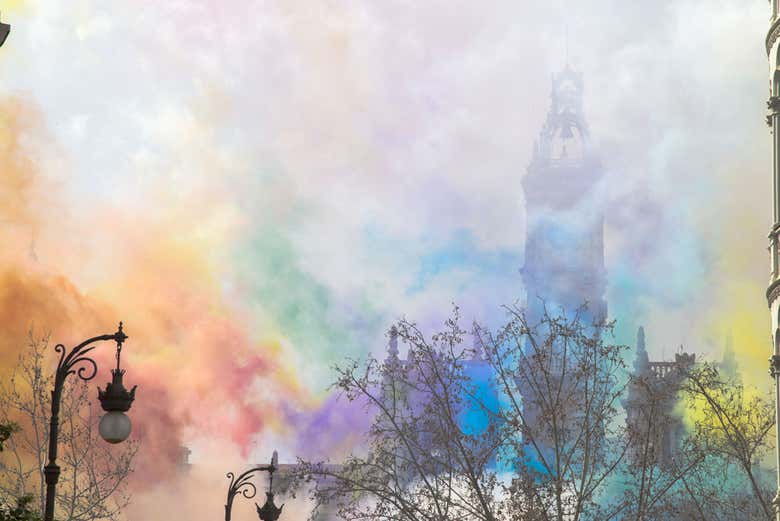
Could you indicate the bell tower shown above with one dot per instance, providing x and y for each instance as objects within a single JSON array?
[{"x": 564, "y": 249}]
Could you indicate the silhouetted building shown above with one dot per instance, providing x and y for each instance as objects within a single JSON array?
[
  {"x": 183, "y": 459},
  {"x": 564, "y": 249},
  {"x": 655, "y": 427},
  {"x": 414, "y": 394}
]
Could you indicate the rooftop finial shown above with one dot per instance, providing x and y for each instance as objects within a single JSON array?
[
  {"x": 392, "y": 346},
  {"x": 479, "y": 346},
  {"x": 642, "y": 361}
]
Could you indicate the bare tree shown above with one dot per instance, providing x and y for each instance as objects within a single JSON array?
[
  {"x": 733, "y": 429},
  {"x": 20, "y": 511},
  {"x": 526, "y": 424},
  {"x": 92, "y": 484},
  {"x": 542, "y": 455},
  {"x": 6, "y": 430},
  {"x": 422, "y": 463},
  {"x": 560, "y": 381},
  {"x": 653, "y": 480}
]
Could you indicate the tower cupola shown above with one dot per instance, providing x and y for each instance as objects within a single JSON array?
[{"x": 564, "y": 136}]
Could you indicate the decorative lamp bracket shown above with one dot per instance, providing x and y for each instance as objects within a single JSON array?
[{"x": 116, "y": 397}]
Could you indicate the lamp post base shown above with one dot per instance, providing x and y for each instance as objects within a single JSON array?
[{"x": 51, "y": 474}]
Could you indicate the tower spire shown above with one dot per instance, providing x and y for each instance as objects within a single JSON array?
[
  {"x": 479, "y": 346},
  {"x": 728, "y": 365},
  {"x": 642, "y": 361},
  {"x": 392, "y": 345}
]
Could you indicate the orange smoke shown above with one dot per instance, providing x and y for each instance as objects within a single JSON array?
[{"x": 74, "y": 270}]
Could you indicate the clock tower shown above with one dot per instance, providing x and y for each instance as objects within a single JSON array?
[{"x": 564, "y": 248}]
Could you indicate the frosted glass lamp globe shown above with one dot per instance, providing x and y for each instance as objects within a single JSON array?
[{"x": 114, "y": 427}]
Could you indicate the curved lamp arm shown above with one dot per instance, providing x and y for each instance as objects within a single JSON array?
[{"x": 242, "y": 484}]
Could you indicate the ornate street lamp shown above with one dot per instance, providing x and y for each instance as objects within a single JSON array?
[
  {"x": 116, "y": 400},
  {"x": 269, "y": 511}
]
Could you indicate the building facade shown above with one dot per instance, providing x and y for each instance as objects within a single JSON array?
[
  {"x": 655, "y": 427},
  {"x": 773, "y": 291}
]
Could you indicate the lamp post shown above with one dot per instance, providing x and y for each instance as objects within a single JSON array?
[
  {"x": 269, "y": 511},
  {"x": 115, "y": 400}
]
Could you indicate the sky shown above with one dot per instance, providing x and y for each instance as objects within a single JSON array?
[{"x": 258, "y": 189}]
